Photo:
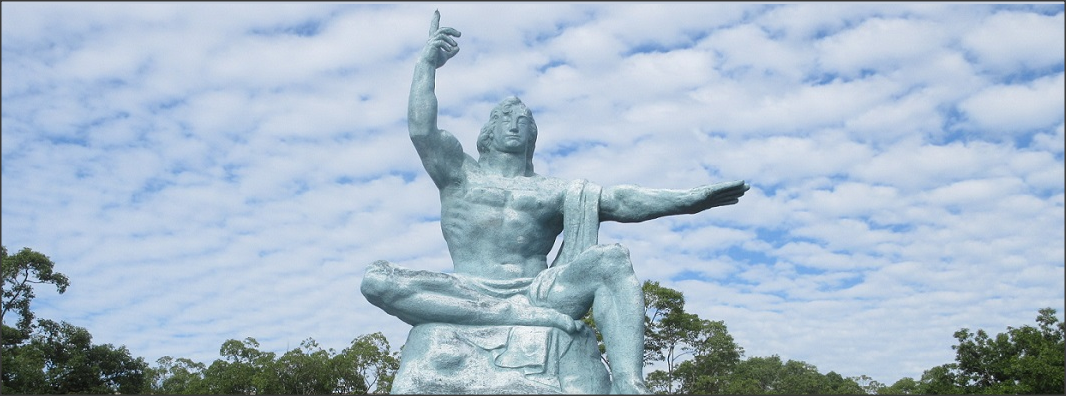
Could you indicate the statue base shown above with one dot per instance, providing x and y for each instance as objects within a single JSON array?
[{"x": 456, "y": 359}]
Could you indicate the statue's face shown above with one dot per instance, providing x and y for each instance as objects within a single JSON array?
[{"x": 513, "y": 132}]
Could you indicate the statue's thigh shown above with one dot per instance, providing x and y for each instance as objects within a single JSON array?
[{"x": 571, "y": 288}]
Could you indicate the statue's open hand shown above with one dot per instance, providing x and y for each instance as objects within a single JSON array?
[
  {"x": 721, "y": 194},
  {"x": 441, "y": 46}
]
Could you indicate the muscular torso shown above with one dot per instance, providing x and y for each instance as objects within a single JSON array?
[{"x": 501, "y": 227}]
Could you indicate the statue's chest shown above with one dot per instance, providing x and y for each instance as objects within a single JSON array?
[
  {"x": 502, "y": 207},
  {"x": 523, "y": 195},
  {"x": 515, "y": 198}
]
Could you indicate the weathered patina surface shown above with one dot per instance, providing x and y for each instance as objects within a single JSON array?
[{"x": 500, "y": 220}]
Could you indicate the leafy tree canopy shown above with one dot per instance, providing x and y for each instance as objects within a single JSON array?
[{"x": 21, "y": 271}]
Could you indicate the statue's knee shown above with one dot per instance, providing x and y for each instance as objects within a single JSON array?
[
  {"x": 613, "y": 254},
  {"x": 377, "y": 283},
  {"x": 614, "y": 260}
]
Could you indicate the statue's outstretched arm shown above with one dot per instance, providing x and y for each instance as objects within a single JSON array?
[
  {"x": 631, "y": 204},
  {"x": 441, "y": 153}
]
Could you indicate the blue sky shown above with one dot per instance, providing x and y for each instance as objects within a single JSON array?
[{"x": 205, "y": 172}]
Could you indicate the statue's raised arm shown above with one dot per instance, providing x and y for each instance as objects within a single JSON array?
[{"x": 441, "y": 153}]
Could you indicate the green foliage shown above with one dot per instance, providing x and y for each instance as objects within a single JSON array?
[
  {"x": 714, "y": 357},
  {"x": 671, "y": 334},
  {"x": 365, "y": 366},
  {"x": 771, "y": 376},
  {"x": 244, "y": 370},
  {"x": 838, "y": 385},
  {"x": 702, "y": 357},
  {"x": 905, "y": 386},
  {"x": 177, "y": 376},
  {"x": 940, "y": 380},
  {"x": 868, "y": 385},
  {"x": 1025, "y": 360},
  {"x": 50, "y": 357},
  {"x": 21, "y": 271},
  {"x": 660, "y": 304},
  {"x": 306, "y": 370},
  {"x": 755, "y": 375},
  {"x": 60, "y": 358}
]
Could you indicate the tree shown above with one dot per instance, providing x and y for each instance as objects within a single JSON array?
[
  {"x": 670, "y": 334},
  {"x": 836, "y": 384},
  {"x": 306, "y": 370},
  {"x": 703, "y": 358},
  {"x": 769, "y": 375},
  {"x": 800, "y": 377},
  {"x": 242, "y": 372},
  {"x": 23, "y": 369},
  {"x": 21, "y": 271},
  {"x": 366, "y": 366},
  {"x": 905, "y": 386},
  {"x": 51, "y": 357},
  {"x": 756, "y": 375},
  {"x": 660, "y": 303},
  {"x": 60, "y": 358},
  {"x": 868, "y": 385},
  {"x": 940, "y": 380},
  {"x": 177, "y": 376},
  {"x": 714, "y": 357},
  {"x": 1023, "y": 360}
]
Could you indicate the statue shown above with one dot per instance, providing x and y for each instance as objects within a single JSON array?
[{"x": 500, "y": 220}]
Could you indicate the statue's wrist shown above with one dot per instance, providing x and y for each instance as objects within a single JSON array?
[{"x": 425, "y": 62}]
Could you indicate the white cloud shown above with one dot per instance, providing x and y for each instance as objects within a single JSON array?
[
  {"x": 750, "y": 49},
  {"x": 200, "y": 170},
  {"x": 1007, "y": 41},
  {"x": 1053, "y": 142},
  {"x": 1016, "y": 109},
  {"x": 911, "y": 165},
  {"x": 777, "y": 159}
]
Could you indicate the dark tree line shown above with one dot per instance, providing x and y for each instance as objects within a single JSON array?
[
  {"x": 366, "y": 366},
  {"x": 1023, "y": 360},
  {"x": 702, "y": 358},
  {"x": 46, "y": 357},
  {"x": 697, "y": 356}
]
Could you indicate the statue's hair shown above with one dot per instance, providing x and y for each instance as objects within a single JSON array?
[{"x": 507, "y": 106}]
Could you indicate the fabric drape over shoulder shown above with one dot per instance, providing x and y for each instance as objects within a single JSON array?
[{"x": 581, "y": 220}]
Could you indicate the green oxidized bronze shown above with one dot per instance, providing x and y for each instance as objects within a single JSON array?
[{"x": 505, "y": 321}]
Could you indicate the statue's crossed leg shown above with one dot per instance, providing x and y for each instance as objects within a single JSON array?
[{"x": 601, "y": 278}]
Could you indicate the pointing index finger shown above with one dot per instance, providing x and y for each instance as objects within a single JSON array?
[{"x": 435, "y": 24}]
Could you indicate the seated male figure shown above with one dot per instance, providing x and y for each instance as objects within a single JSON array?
[{"x": 500, "y": 220}]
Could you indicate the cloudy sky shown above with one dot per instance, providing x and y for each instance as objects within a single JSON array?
[{"x": 205, "y": 172}]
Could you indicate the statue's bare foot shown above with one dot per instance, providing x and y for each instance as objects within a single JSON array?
[
  {"x": 531, "y": 315},
  {"x": 629, "y": 386},
  {"x": 553, "y": 318}
]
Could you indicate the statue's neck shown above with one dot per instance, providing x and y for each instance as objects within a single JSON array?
[{"x": 503, "y": 164}]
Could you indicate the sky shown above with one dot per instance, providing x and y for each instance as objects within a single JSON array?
[{"x": 212, "y": 171}]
